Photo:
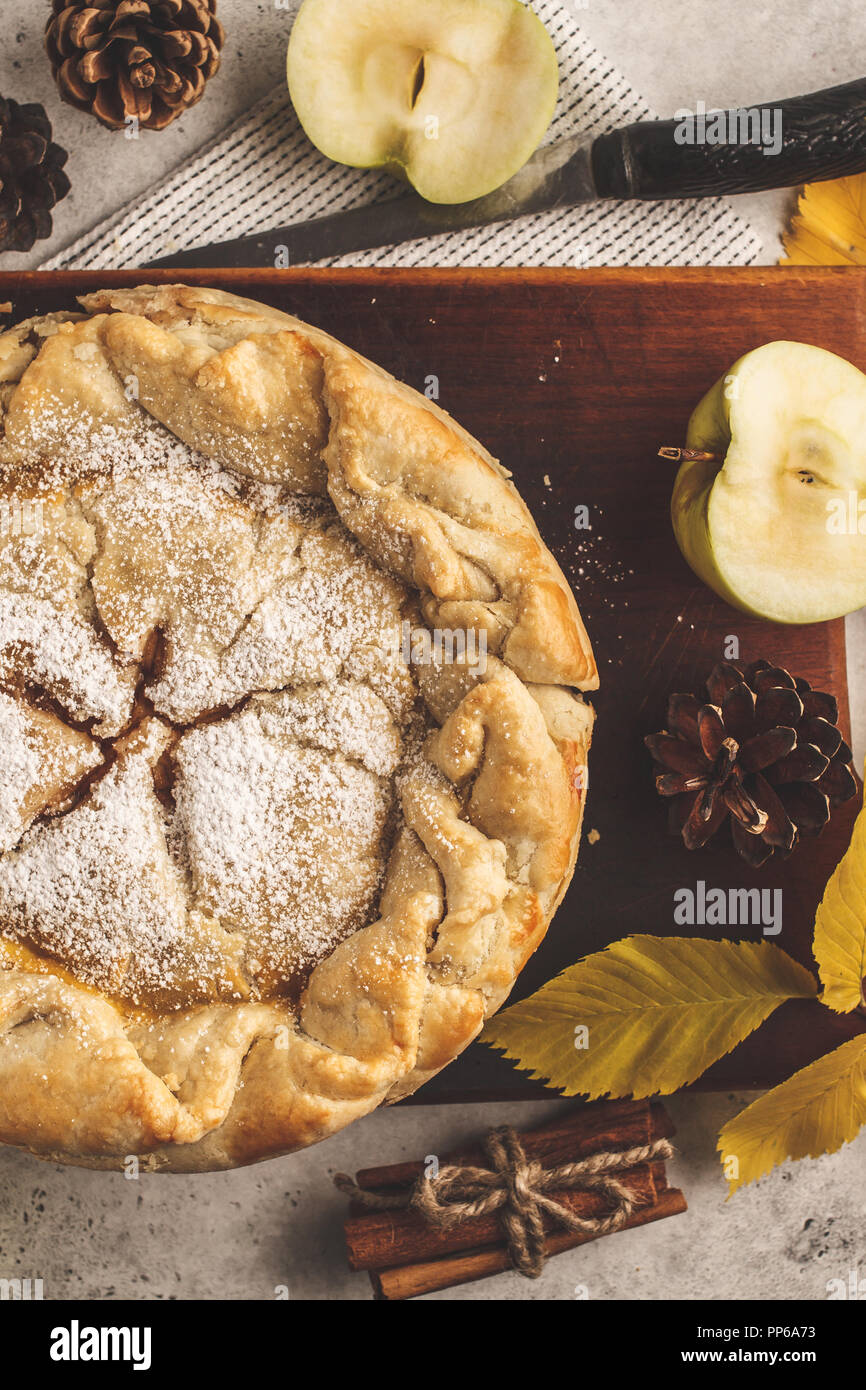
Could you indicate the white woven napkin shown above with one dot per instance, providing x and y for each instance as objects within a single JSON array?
[{"x": 263, "y": 171}]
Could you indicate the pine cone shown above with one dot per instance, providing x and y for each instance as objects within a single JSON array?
[
  {"x": 122, "y": 58},
  {"x": 764, "y": 753},
  {"x": 31, "y": 175}
]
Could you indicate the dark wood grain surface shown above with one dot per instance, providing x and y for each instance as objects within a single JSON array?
[{"x": 574, "y": 378}]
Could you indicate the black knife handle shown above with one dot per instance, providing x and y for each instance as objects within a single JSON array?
[{"x": 823, "y": 136}]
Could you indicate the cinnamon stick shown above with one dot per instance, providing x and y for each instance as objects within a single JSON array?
[
  {"x": 578, "y": 1132},
  {"x": 391, "y": 1240},
  {"x": 391, "y": 1285}
]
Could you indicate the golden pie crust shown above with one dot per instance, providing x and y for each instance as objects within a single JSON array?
[{"x": 258, "y": 872}]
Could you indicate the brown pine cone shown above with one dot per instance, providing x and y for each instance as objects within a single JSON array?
[
  {"x": 148, "y": 59},
  {"x": 31, "y": 175},
  {"x": 765, "y": 753}
]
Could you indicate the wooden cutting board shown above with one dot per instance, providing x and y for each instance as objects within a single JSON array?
[{"x": 573, "y": 379}]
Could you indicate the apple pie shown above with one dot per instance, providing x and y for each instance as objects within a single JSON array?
[{"x": 294, "y": 750}]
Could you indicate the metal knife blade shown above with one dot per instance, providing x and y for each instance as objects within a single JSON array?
[
  {"x": 774, "y": 145},
  {"x": 557, "y": 175}
]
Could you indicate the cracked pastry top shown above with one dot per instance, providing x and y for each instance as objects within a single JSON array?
[{"x": 269, "y": 853}]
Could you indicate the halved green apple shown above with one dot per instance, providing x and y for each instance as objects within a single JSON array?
[
  {"x": 454, "y": 95},
  {"x": 776, "y": 522}
]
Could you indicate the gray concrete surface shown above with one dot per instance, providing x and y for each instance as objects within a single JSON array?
[
  {"x": 676, "y": 52},
  {"x": 243, "y": 1235},
  {"x": 246, "y": 1234}
]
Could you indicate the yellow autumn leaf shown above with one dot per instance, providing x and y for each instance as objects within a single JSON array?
[
  {"x": 840, "y": 927},
  {"x": 829, "y": 227},
  {"x": 815, "y": 1112},
  {"x": 647, "y": 1015}
]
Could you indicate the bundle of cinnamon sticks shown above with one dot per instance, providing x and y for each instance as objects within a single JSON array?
[{"x": 406, "y": 1257}]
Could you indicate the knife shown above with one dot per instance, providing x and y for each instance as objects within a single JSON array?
[{"x": 803, "y": 139}]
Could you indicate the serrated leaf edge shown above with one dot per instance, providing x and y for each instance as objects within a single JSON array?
[
  {"x": 735, "y": 1184},
  {"x": 535, "y": 1074}
]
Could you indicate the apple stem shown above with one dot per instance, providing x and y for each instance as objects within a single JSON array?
[{"x": 688, "y": 455}]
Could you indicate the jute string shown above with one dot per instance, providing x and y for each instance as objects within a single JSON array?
[{"x": 518, "y": 1189}]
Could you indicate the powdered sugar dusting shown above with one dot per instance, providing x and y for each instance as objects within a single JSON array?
[
  {"x": 236, "y": 837},
  {"x": 282, "y": 810},
  {"x": 60, "y": 651},
  {"x": 98, "y": 890},
  {"x": 20, "y": 770}
]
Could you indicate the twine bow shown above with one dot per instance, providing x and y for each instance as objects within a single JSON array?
[{"x": 517, "y": 1189}]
